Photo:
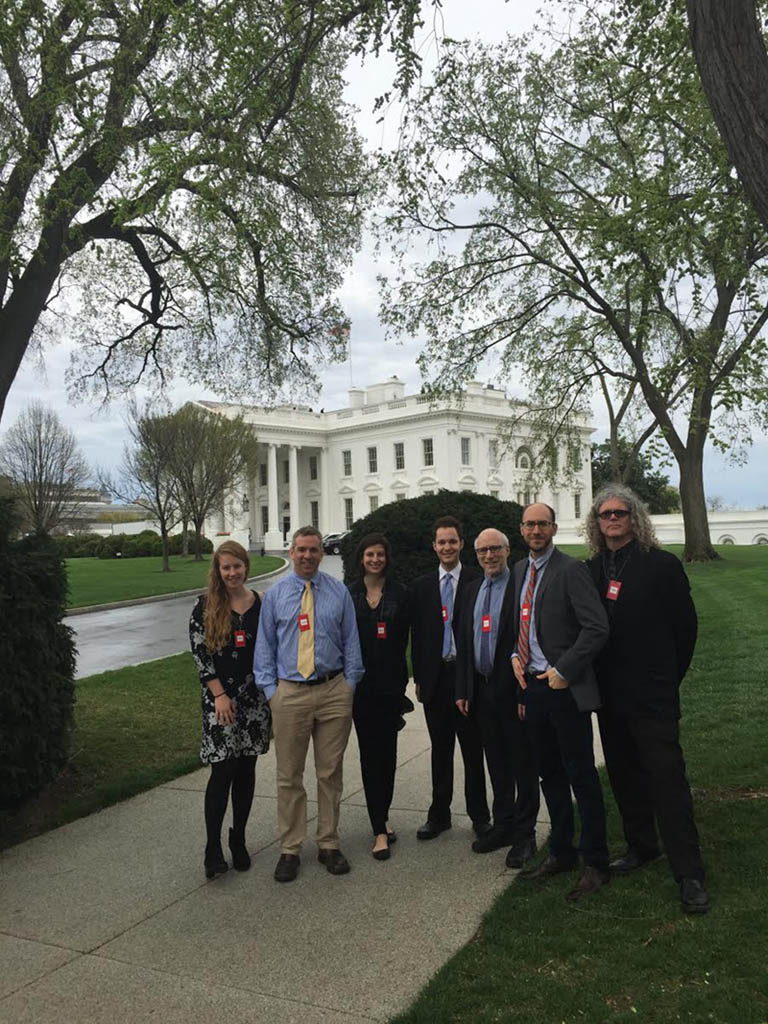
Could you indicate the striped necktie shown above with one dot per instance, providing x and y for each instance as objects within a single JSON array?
[{"x": 523, "y": 639}]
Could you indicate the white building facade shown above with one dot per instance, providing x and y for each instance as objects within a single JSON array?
[{"x": 330, "y": 468}]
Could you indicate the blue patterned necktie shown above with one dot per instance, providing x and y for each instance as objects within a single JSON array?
[
  {"x": 486, "y": 662},
  {"x": 447, "y": 595}
]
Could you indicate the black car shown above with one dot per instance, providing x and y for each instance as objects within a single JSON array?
[{"x": 332, "y": 543}]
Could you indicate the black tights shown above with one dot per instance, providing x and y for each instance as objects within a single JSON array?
[{"x": 239, "y": 775}]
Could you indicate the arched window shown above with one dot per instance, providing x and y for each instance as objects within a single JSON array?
[
  {"x": 726, "y": 540},
  {"x": 523, "y": 458}
]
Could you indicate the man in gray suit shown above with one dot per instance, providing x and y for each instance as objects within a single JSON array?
[{"x": 560, "y": 626}]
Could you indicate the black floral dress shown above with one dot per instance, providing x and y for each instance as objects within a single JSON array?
[{"x": 233, "y": 667}]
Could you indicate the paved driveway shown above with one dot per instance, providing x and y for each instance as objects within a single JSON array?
[{"x": 127, "y": 636}]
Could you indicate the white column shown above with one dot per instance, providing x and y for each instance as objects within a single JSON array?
[
  {"x": 293, "y": 487},
  {"x": 273, "y": 538},
  {"x": 325, "y": 526}
]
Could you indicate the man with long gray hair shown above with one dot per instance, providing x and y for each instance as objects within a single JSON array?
[{"x": 647, "y": 597}]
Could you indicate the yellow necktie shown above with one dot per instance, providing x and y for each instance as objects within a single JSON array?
[{"x": 306, "y": 660}]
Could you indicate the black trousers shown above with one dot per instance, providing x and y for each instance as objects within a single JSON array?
[
  {"x": 446, "y": 724},
  {"x": 510, "y": 761},
  {"x": 561, "y": 738},
  {"x": 647, "y": 772},
  {"x": 376, "y": 718}
]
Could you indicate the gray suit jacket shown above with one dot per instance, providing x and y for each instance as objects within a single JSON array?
[{"x": 571, "y": 624}]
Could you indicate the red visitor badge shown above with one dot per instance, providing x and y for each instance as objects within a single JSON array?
[
  {"x": 303, "y": 623},
  {"x": 445, "y": 614},
  {"x": 239, "y": 638},
  {"x": 525, "y": 612},
  {"x": 612, "y": 593},
  {"x": 381, "y": 631},
  {"x": 486, "y": 623}
]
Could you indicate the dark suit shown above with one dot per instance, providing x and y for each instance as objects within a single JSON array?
[
  {"x": 570, "y": 627},
  {"x": 653, "y": 633},
  {"x": 436, "y": 680},
  {"x": 492, "y": 698}
]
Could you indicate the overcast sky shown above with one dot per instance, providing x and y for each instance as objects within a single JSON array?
[{"x": 101, "y": 432}]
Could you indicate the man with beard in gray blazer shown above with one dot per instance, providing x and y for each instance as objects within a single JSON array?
[{"x": 560, "y": 626}]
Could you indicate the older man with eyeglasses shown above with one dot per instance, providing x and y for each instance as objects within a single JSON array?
[
  {"x": 484, "y": 680},
  {"x": 647, "y": 597}
]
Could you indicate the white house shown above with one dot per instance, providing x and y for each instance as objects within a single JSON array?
[{"x": 331, "y": 468}]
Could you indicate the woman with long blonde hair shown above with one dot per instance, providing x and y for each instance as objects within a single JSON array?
[{"x": 236, "y": 717}]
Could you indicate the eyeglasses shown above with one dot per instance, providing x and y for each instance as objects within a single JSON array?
[
  {"x": 492, "y": 549},
  {"x": 531, "y": 524},
  {"x": 613, "y": 513}
]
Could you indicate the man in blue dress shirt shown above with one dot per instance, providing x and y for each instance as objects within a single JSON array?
[{"x": 308, "y": 662}]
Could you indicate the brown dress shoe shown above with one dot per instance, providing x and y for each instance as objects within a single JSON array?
[
  {"x": 591, "y": 880},
  {"x": 548, "y": 867}
]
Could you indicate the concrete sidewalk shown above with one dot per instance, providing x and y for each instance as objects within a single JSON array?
[{"x": 110, "y": 920}]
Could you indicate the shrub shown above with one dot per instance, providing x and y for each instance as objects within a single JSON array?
[
  {"x": 37, "y": 653},
  {"x": 407, "y": 526},
  {"x": 81, "y": 545}
]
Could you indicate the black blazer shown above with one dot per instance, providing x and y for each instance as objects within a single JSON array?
[
  {"x": 427, "y": 626},
  {"x": 502, "y": 680},
  {"x": 653, "y": 629},
  {"x": 571, "y": 625},
  {"x": 386, "y": 669}
]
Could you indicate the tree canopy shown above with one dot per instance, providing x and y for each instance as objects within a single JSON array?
[
  {"x": 587, "y": 224},
  {"x": 181, "y": 184},
  {"x": 211, "y": 454},
  {"x": 636, "y": 470}
]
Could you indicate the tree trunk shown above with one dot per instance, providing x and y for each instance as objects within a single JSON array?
[
  {"x": 198, "y": 541},
  {"x": 698, "y": 546},
  {"x": 166, "y": 559},
  {"x": 733, "y": 67},
  {"x": 184, "y": 538}
]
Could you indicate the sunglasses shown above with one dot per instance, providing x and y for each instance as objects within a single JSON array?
[{"x": 613, "y": 513}]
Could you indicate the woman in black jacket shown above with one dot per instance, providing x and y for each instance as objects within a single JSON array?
[{"x": 383, "y": 621}]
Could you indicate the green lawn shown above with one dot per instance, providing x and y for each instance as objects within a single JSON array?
[
  {"x": 102, "y": 580},
  {"x": 134, "y": 728},
  {"x": 629, "y": 954}
]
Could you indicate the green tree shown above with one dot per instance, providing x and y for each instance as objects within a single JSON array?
[
  {"x": 192, "y": 169},
  {"x": 212, "y": 453},
  {"x": 636, "y": 470},
  {"x": 43, "y": 461},
  {"x": 407, "y": 526},
  {"x": 146, "y": 476},
  {"x": 606, "y": 241}
]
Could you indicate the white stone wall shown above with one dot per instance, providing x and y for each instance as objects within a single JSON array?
[{"x": 386, "y": 416}]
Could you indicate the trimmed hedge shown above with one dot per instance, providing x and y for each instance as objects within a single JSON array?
[
  {"x": 37, "y": 652},
  {"x": 407, "y": 526},
  {"x": 146, "y": 544}
]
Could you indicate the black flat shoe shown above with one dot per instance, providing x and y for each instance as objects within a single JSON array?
[
  {"x": 384, "y": 854},
  {"x": 214, "y": 863},
  {"x": 241, "y": 860},
  {"x": 391, "y": 837}
]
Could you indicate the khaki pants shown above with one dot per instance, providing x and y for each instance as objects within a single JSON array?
[{"x": 324, "y": 712}]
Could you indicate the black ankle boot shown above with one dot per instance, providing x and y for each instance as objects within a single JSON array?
[
  {"x": 214, "y": 860},
  {"x": 241, "y": 861}
]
